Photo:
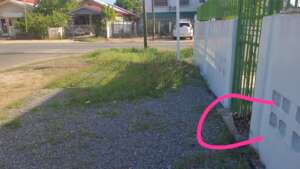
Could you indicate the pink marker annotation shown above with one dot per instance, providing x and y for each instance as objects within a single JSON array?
[{"x": 200, "y": 140}]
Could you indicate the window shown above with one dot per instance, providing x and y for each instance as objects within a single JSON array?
[
  {"x": 159, "y": 3},
  {"x": 184, "y": 2},
  {"x": 184, "y": 24}
]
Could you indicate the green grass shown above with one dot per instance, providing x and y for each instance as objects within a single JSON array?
[
  {"x": 126, "y": 74},
  {"x": 13, "y": 124},
  {"x": 109, "y": 114},
  {"x": 214, "y": 160},
  {"x": 148, "y": 125},
  {"x": 16, "y": 105},
  {"x": 186, "y": 53},
  {"x": 229, "y": 159},
  {"x": 90, "y": 39}
]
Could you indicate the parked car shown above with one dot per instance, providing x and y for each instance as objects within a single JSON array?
[{"x": 186, "y": 29}]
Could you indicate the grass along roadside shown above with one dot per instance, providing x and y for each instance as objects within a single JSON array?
[
  {"x": 125, "y": 74},
  {"x": 101, "y": 76}
]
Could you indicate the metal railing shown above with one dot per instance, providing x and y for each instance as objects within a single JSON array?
[
  {"x": 250, "y": 15},
  {"x": 226, "y": 9}
]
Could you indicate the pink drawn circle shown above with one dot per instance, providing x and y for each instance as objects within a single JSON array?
[{"x": 200, "y": 140}]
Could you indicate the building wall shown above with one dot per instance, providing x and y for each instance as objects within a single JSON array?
[
  {"x": 11, "y": 10},
  {"x": 214, "y": 47},
  {"x": 278, "y": 80},
  {"x": 192, "y": 7}
]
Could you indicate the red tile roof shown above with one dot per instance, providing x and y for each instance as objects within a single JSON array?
[{"x": 29, "y": 1}]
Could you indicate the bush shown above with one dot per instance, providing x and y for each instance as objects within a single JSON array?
[
  {"x": 218, "y": 9},
  {"x": 228, "y": 9},
  {"x": 37, "y": 24},
  {"x": 48, "y": 13}
]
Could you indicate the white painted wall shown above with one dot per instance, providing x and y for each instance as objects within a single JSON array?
[
  {"x": 192, "y": 7},
  {"x": 278, "y": 72},
  {"x": 214, "y": 47}
]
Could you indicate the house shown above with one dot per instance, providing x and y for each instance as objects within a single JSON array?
[
  {"x": 11, "y": 11},
  {"x": 88, "y": 15},
  {"x": 165, "y": 12}
]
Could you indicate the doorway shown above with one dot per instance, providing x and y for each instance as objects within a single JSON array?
[{"x": 4, "y": 26}]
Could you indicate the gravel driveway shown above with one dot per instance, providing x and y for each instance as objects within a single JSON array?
[{"x": 154, "y": 133}]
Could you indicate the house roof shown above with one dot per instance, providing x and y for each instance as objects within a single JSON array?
[
  {"x": 19, "y": 2},
  {"x": 115, "y": 7},
  {"x": 29, "y": 1},
  {"x": 85, "y": 11},
  {"x": 97, "y": 5}
]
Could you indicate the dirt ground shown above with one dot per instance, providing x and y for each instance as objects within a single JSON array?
[{"x": 19, "y": 83}]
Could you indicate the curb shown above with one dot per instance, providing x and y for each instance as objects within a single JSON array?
[{"x": 227, "y": 117}]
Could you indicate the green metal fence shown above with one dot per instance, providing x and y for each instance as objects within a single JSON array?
[
  {"x": 250, "y": 14},
  {"x": 250, "y": 17}
]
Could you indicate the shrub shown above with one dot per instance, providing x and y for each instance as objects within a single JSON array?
[{"x": 49, "y": 13}]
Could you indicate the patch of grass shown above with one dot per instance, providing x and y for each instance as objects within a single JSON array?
[
  {"x": 59, "y": 137},
  {"x": 55, "y": 105},
  {"x": 190, "y": 161},
  {"x": 3, "y": 115},
  {"x": 148, "y": 113},
  {"x": 148, "y": 125},
  {"x": 214, "y": 160},
  {"x": 13, "y": 124},
  {"x": 109, "y": 114},
  {"x": 224, "y": 137},
  {"x": 88, "y": 134},
  {"x": 186, "y": 53},
  {"x": 16, "y": 104},
  {"x": 233, "y": 159},
  {"x": 125, "y": 74},
  {"x": 26, "y": 147},
  {"x": 90, "y": 39}
]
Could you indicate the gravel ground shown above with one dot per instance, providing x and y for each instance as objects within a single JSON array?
[{"x": 145, "y": 134}]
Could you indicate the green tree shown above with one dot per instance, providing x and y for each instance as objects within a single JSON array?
[
  {"x": 109, "y": 14},
  {"x": 131, "y": 5},
  {"x": 47, "y": 7},
  {"x": 48, "y": 13}
]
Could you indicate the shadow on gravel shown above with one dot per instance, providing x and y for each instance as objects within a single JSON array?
[{"x": 92, "y": 128}]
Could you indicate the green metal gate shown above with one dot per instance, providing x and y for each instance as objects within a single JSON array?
[{"x": 250, "y": 16}]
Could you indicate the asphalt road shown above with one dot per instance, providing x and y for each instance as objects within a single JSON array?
[{"x": 19, "y": 53}]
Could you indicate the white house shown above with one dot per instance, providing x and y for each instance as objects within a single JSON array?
[
  {"x": 85, "y": 18},
  {"x": 166, "y": 9},
  {"x": 164, "y": 12},
  {"x": 11, "y": 11}
]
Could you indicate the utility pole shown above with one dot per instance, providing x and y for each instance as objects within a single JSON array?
[
  {"x": 145, "y": 25},
  {"x": 177, "y": 29},
  {"x": 26, "y": 22},
  {"x": 153, "y": 20}
]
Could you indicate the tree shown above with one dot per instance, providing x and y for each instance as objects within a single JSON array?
[
  {"x": 47, "y": 7},
  {"x": 108, "y": 15},
  {"x": 131, "y": 5},
  {"x": 48, "y": 13}
]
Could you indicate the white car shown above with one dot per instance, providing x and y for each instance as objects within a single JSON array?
[{"x": 186, "y": 30}]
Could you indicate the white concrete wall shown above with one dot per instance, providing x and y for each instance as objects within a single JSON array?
[
  {"x": 278, "y": 79},
  {"x": 192, "y": 7},
  {"x": 214, "y": 47}
]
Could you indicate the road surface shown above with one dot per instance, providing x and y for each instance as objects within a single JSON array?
[{"x": 13, "y": 54}]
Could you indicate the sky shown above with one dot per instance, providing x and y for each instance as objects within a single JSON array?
[{"x": 110, "y": 1}]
